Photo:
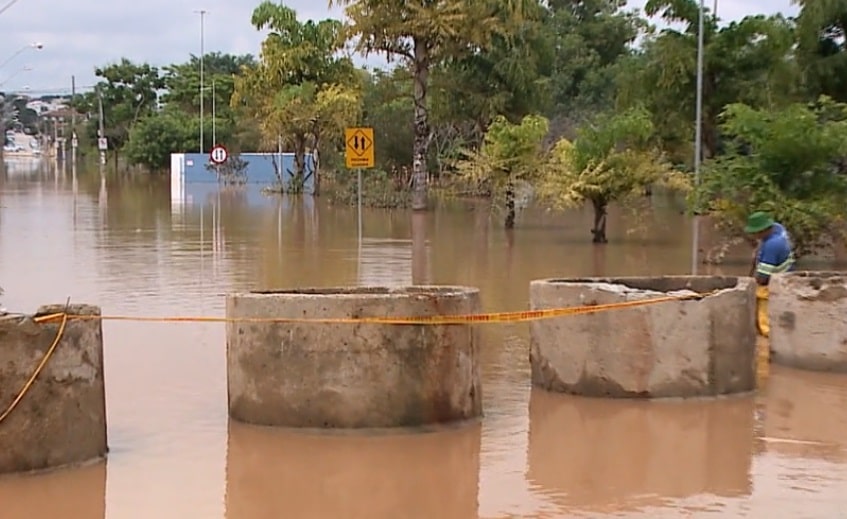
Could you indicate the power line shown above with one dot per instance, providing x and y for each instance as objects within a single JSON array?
[
  {"x": 7, "y": 6},
  {"x": 52, "y": 91}
]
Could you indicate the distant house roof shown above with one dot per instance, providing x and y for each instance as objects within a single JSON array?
[{"x": 61, "y": 113}]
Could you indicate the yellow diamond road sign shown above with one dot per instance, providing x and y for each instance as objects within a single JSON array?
[{"x": 359, "y": 147}]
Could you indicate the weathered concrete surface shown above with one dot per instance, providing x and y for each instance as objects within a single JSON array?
[
  {"x": 62, "y": 419},
  {"x": 685, "y": 348},
  {"x": 352, "y": 375},
  {"x": 808, "y": 318}
]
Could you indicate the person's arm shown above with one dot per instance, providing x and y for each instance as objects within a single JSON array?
[
  {"x": 768, "y": 261},
  {"x": 754, "y": 261}
]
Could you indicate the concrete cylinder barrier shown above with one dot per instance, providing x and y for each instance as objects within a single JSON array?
[
  {"x": 352, "y": 375},
  {"x": 808, "y": 319},
  {"x": 681, "y": 348},
  {"x": 61, "y": 419}
]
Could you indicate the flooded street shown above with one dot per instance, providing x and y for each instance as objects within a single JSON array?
[{"x": 121, "y": 245}]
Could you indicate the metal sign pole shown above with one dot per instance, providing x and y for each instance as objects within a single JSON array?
[
  {"x": 698, "y": 141},
  {"x": 359, "y": 172}
]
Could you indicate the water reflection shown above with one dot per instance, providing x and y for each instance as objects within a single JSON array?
[
  {"x": 70, "y": 494},
  {"x": 385, "y": 262},
  {"x": 278, "y": 473},
  {"x": 806, "y": 414},
  {"x": 118, "y": 241},
  {"x": 614, "y": 455}
]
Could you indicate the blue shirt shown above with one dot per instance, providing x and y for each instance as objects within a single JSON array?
[{"x": 775, "y": 254}]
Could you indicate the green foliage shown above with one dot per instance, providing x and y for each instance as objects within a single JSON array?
[
  {"x": 387, "y": 108},
  {"x": 153, "y": 139},
  {"x": 611, "y": 160},
  {"x": 26, "y": 117},
  {"x": 182, "y": 82},
  {"x": 425, "y": 34},
  {"x": 822, "y": 48},
  {"x": 510, "y": 77},
  {"x": 300, "y": 92},
  {"x": 746, "y": 61},
  {"x": 300, "y": 52},
  {"x": 511, "y": 155},
  {"x": 591, "y": 37},
  {"x": 129, "y": 93},
  {"x": 789, "y": 162},
  {"x": 444, "y": 29},
  {"x": 8, "y": 115},
  {"x": 380, "y": 189}
]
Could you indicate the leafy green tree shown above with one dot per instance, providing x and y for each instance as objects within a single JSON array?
[
  {"x": 8, "y": 113},
  {"x": 747, "y": 61},
  {"x": 510, "y": 158},
  {"x": 301, "y": 92},
  {"x": 510, "y": 77},
  {"x": 790, "y": 162},
  {"x": 424, "y": 34},
  {"x": 182, "y": 82},
  {"x": 27, "y": 117},
  {"x": 591, "y": 37},
  {"x": 129, "y": 92},
  {"x": 611, "y": 160},
  {"x": 822, "y": 46},
  {"x": 154, "y": 138},
  {"x": 388, "y": 110}
]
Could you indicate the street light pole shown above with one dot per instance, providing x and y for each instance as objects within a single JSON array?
[
  {"x": 35, "y": 45},
  {"x": 24, "y": 69},
  {"x": 698, "y": 138},
  {"x": 202, "y": 13},
  {"x": 214, "y": 117}
]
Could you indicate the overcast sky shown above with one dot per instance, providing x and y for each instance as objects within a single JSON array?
[{"x": 80, "y": 34}]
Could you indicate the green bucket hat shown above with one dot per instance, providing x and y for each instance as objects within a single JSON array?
[{"x": 758, "y": 222}]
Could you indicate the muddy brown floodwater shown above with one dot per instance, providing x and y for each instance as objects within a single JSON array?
[{"x": 120, "y": 244}]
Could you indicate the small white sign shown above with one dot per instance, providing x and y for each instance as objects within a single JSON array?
[
  {"x": 189, "y": 162},
  {"x": 102, "y": 144}
]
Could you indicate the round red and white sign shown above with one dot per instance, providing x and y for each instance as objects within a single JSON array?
[{"x": 218, "y": 155}]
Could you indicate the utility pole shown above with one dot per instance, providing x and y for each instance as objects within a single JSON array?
[
  {"x": 202, "y": 13},
  {"x": 74, "y": 142},
  {"x": 101, "y": 133},
  {"x": 214, "y": 117}
]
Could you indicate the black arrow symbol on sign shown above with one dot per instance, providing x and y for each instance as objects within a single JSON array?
[{"x": 356, "y": 142}]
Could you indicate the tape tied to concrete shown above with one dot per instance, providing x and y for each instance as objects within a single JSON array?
[{"x": 483, "y": 318}]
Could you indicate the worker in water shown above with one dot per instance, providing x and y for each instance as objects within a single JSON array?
[{"x": 773, "y": 256}]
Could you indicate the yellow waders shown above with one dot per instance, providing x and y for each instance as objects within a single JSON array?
[
  {"x": 764, "y": 328},
  {"x": 762, "y": 311}
]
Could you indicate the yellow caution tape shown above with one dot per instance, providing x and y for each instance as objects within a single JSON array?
[{"x": 496, "y": 317}]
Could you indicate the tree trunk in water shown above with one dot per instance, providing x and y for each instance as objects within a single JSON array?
[
  {"x": 316, "y": 167},
  {"x": 420, "y": 266},
  {"x": 299, "y": 164},
  {"x": 510, "y": 205},
  {"x": 599, "y": 230},
  {"x": 598, "y": 261},
  {"x": 421, "y": 127}
]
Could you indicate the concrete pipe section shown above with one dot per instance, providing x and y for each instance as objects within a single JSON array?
[
  {"x": 808, "y": 318},
  {"x": 352, "y": 375},
  {"x": 61, "y": 419},
  {"x": 682, "y": 348}
]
